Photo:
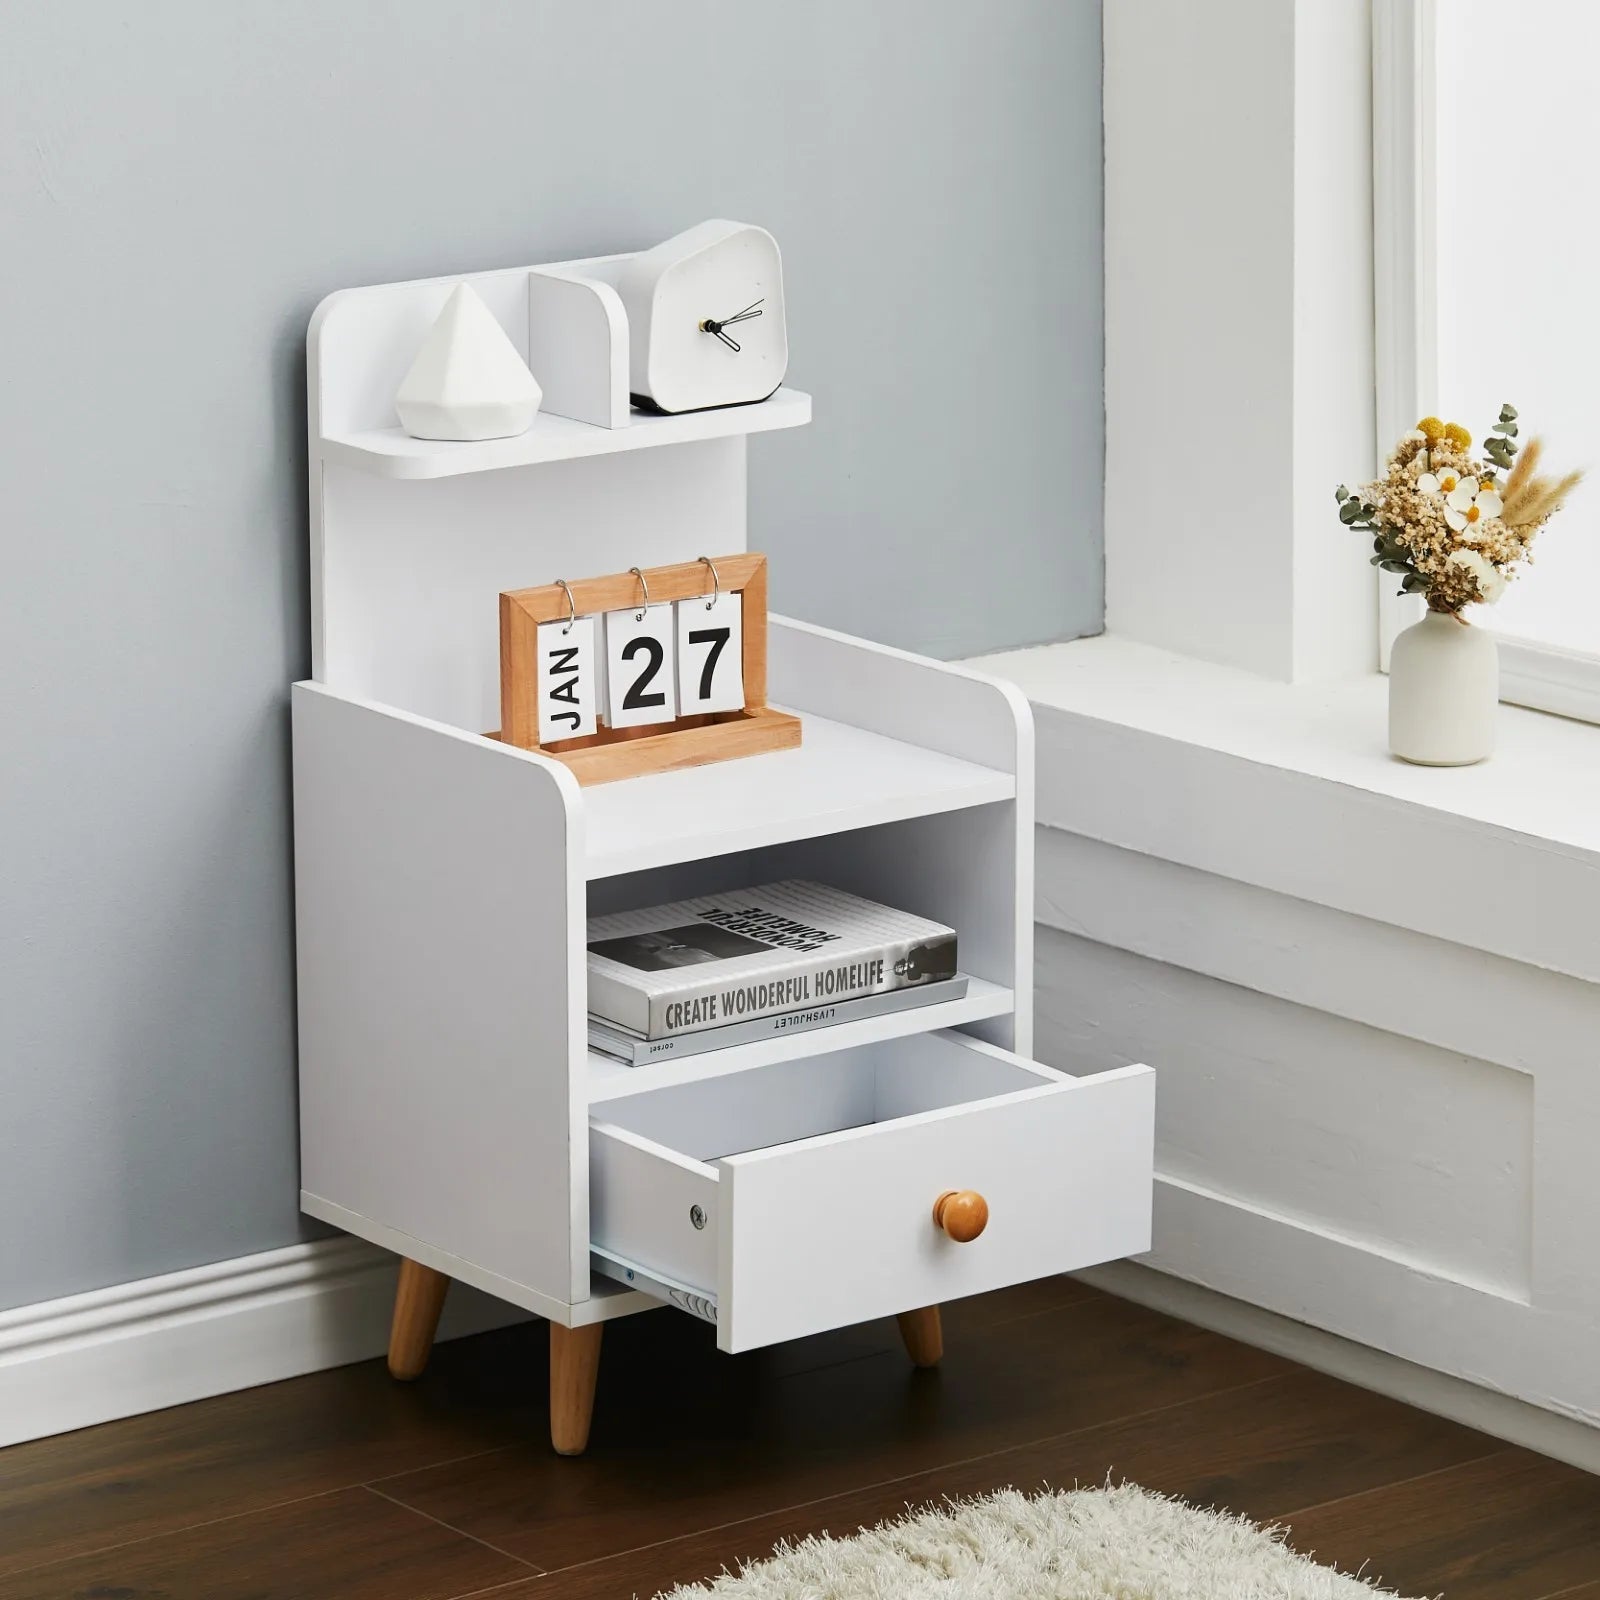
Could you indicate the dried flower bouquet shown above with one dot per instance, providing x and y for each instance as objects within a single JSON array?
[{"x": 1451, "y": 526}]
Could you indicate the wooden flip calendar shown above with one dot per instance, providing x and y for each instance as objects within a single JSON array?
[{"x": 642, "y": 679}]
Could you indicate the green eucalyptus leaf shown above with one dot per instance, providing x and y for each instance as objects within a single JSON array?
[{"x": 1341, "y": 494}]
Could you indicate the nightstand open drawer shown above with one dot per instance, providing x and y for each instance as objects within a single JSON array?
[{"x": 798, "y": 1197}]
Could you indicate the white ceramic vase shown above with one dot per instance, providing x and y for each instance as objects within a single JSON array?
[{"x": 1444, "y": 693}]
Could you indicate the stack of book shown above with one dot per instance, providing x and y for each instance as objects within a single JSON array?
[{"x": 730, "y": 968}]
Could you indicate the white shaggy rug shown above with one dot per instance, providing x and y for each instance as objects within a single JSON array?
[{"x": 1087, "y": 1544}]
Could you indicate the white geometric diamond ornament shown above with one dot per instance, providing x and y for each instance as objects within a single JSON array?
[{"x": 468, "y": 381}]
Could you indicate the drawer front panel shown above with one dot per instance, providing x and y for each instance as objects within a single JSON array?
[{"x": 837, "y": 1229}]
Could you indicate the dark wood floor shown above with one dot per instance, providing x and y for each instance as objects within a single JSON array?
[{"x": 348, "y": 1486}]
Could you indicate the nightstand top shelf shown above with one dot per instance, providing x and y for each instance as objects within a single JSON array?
[
  {"x": 392, "y": 453},
  {"x": 841, "y": 777}
]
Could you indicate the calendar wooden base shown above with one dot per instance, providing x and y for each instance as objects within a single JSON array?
[{"x": 629, "y": 752}]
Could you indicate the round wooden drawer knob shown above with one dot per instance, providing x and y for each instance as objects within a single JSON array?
[{"x": 962, "y": 1213}]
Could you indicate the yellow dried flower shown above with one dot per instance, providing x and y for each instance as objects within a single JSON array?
[
  {"x": 1432, "y": 429},
  {"x": 1458, "y": 435}
]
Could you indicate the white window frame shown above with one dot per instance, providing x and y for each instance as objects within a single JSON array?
[{"x": 1406, "y": 312}]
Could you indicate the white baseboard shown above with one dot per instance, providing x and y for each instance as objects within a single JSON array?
[
  {"x": 208, "y": 1330},
  {"x": 1487, "y": 1410}
]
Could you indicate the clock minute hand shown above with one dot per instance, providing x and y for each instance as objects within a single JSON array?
[{"x": 714, "y": 325}]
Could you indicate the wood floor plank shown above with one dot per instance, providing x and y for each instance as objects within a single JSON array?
[
  {"x": 1512, "y": 1526},
  {"x": 350, "y": 1545},
  {"x": 711, "y": 1439},
  {"x": 700, "y": 1460},
  {"x": 1256, "y": 1450},
  {"x": 153, "y": 1474},
  {"x": 241, "y": 1452}
]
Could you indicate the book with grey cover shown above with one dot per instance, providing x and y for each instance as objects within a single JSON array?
[
  {"x": 634, "y": 1050},
  {"x": 744, "y": 953}
]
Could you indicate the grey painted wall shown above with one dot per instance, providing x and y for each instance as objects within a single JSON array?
[{"x": 179, "y": 184}]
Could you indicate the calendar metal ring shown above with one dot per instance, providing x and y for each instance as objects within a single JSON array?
[
  {"x": 716, "y": 582},
  {"x": 572, "y": 610},
  {"x": 638, "y": 616}
]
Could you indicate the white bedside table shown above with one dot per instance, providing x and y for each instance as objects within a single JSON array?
[{"x": 450, "y": 1108}]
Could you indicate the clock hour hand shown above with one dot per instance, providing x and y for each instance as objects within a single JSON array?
[{"x": 714, "y": 325}]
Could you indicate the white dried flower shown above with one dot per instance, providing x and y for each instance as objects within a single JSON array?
[
  {"x": 1467, "y": 505},
  {"x": 1491, "y": 585},
  {"x": 1445, "y": 481}
]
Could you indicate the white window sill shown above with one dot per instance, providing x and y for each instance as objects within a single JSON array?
[{"x": 1292, "y": 787}]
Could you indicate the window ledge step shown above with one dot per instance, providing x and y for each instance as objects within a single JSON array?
[{"x": 1292, "y": 787}]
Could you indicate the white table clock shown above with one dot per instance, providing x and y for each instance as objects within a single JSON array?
[{"x": 705, "y": 319}]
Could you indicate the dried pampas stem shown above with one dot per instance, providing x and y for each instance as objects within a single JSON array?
[
  {"x": 1523, "y": 471},
  {"x": 1540, "y": 500},
  {"x": 1548, "y": 498}
]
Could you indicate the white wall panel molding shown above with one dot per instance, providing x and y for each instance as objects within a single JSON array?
[
  {"x": 1389, "y": 978},
  {"x": 1428, "y": 1204},
  {"x": 1422, "y": 1155},
  {"x": 1377, "y": 1132}
]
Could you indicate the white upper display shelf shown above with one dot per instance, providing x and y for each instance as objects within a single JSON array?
[
  {"x": 392, "y": 453},
  {"x": 567, "y": 321}
]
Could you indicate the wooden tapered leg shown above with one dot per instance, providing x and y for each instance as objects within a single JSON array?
[
  {"x": 574, "y": 1367},
  {"x": 418, "y": 1300},
  {"x": 923, "y": 1335}
]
